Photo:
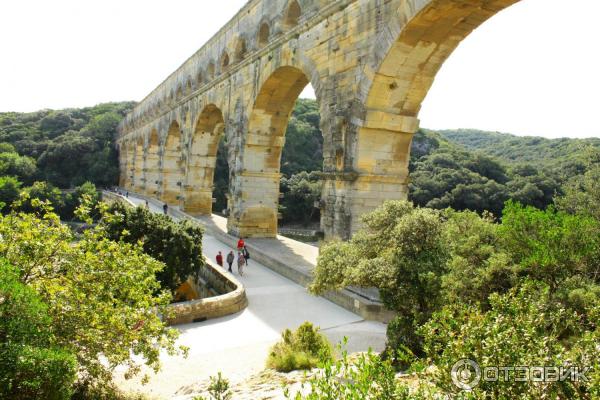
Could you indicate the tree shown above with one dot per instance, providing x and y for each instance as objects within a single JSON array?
[
  {"x": 551, "y": 246},
  {"x": 399, "y": 251},
  {"x": 32, "y": 365},
  {"x": 10, "y": 188},
  {"x": 177, "y": 244},
  {"x": 301, "y": 191},
  {"x": 582, "y": 194},
  {"x": 42, "y": 191},
  {"x": 103, "y": 298}
]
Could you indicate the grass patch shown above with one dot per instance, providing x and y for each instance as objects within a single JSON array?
[{"x": 300, "y": 350}]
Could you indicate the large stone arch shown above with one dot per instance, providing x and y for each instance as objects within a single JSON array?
[
  {"x": 172, "y": 161},
  {"x": 202, "y": 158},
  {"x": 152, "y": 164},
  {"x": 399, "y": 75},
  {"x": 255, "y": 205}
]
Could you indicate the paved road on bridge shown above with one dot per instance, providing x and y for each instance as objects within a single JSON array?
[{"x": 237, "y": 345}]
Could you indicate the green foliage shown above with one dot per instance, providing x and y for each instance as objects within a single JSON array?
[
  {"x": 21, "y": 167},
  {"x": 522, "y": 328},
  {"x": 422, "y": 259},
  {"x": 301, "y": 191},
  {"x": 42, "y": 191},
  {"x": 303, "y": 149},
  {"x": 400, "y": 251},
  {"x": 69, "y": 146},
  {"x": 101, "y": 294},
  {"x": 302, "y": 349},
  {"x": 366, "y": 378},
  {"x": 477, "y": 264},
  {"x": 447, "y": 176},
  {"x": 565, "y": 154},
  {"x": 221, "y": 178},
  {"x": 582, "y": 194},
  {"x": 32, "y": 365},
  {"x": 218, "y": 389},
  {"x": 177, "y": 244},
  {"x": 10, "y": 188},
  {"x": 551, "y": 246}
]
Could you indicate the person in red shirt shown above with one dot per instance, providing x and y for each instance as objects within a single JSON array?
[
  {"x": 241, "y": 244},
  {"x": 220, "y": 259}
]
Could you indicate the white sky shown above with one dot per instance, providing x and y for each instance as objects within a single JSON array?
[{"x": 534, "y": 69}]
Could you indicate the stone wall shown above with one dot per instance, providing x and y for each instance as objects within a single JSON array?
[
  {"x": 232, "y": 300},
  {"x": 371, "y": 63}
]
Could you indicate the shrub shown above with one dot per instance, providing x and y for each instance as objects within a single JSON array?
[
  {"x": 302, "y": 349},
  {"x": 101, "y": 295},
  {"x": 401, "y": 252},
  {"x": 369, "y": 377},
  {"x": 218, "y": 389},
  {"x": 522, "y": 328},
  {"x": 32, "y": 365},
  {"x": 177, "y": 244}
]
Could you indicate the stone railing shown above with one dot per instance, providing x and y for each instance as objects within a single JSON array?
[
  {"x": 232, "y": 301},
  {"x": 232, "y": 295}
]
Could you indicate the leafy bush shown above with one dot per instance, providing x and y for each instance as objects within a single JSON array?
[
  {"x": 401, "y": 252},
  {"x": 218, "y": 389},
  {"x": 368, "y": 377},
  {"x": 32, "y": 365},
  {"x": 535, "y": 336},
  {"x": 102, "y": 295},
  {"x": 10, "y": 188},
  {"x": 177, "y": 244},
  {"x": 302, "y": 349}
]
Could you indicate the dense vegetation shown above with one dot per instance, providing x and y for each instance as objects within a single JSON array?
[
  {"x": 74, "y": 307},
  {"x": 456, "y": 279},
  {"x": 177, "y": 244},
  {"x": 65, "y": 148}
]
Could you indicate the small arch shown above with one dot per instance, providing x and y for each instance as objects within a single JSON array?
[
  {"x": 240, "y": 50},
  {"x": 263, "y": 34},
  {"x": 293, "y": 14},
  {"x": 179, "y": 93},
  {"x": 210, "y": 71},
  {"x": 188, "y": 86},
  {"x": 224, "y": 61}
]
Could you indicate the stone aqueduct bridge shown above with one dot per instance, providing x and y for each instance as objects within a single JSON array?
[{"x": 371, "y": 63}]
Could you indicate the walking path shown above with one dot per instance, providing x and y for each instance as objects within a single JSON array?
[{"x": 238, "y": 345}]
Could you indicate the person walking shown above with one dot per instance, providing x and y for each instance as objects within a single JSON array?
[
  {"x": 147, "y": 206},
  {"x": 220, "y": 259},
  {"x": 165, "y": 208},
  {"x": 241, "y": 244},
  {"x": 241, "y": 263},
  {"x": 246, "y": 254},
  {"x": 230, "y": 258}
]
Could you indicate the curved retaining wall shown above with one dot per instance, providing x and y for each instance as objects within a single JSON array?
[{"x": 232, "y": 300}]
